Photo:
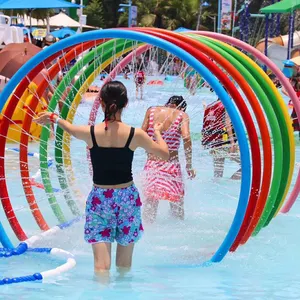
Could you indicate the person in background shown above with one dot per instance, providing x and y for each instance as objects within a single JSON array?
[
  {"x": 64, "y": 95},
  {"x": 139, "y": 79},
  {"x": 191, "y": 80},
  {"x": 49, "y": 40},
  {"x": 113, "y": 207},
  {"x": 26, "y": 39},
  {"x": 295, "y": 82},
  {"x": 275, "y": 80},
  {"x": 218, "y": 135},
  {"x": 163, "y": 179},
  {"x": 103, "y": 75},
  {"x": 126, "y": 72}
]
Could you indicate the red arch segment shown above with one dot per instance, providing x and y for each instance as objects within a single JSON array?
[
  {"x": 27, "y": 186},
  {"x": 186, "y": 43},
  {"x": 6, "y": 203},
  {"x": 246, "y": 116}
]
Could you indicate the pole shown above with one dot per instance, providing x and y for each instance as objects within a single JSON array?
[
  {"x": 290, "y": 35},
  {"x": 129, "y": 13},
  {"x": 48, "y": 23},
  {"x": 266, "y": 39},
  {"x": 242, "y": 23},
  {"x": 277, "y": 23},
  {"x": 247, "y": 22},
  {"x": 215, "y": 25},
  {"x": 219, "y": 16},
  {"x": 80, "y": 14},
  {"x": 293, "y": 29},
  {"x": 199, "y": 15},
  {"x": 30, "y": 12},
  {"x": 272, "y": 22},
  {"x": 234, "y": 14}
]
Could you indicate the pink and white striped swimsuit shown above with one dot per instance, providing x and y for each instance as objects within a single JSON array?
[
  {"x": 171, "y": 136},
  {"x": 163, "y": 179}
]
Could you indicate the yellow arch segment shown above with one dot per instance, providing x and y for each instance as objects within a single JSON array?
[
  {"x": 286, "y": 116},
  {"x": 88, "y": 82},
  {"x": 73, "y": 109},
  {"x": 24, "y": 107}
]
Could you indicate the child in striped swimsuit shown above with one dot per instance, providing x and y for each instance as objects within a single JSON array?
[{"x": 163, "y": 179}]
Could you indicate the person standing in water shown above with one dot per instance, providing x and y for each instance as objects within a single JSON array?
[
  {"x": 139, "y": 79},
  {"x": 295, "y": 82},
  {"x": 113, "y": 207},
  {"x": 218, "y": 135},
  {"x": 163, "y": 179},
  {"x": 191, "y": 80}
]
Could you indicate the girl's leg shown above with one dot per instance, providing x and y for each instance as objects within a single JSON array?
[
  {"x": 218, "y": 166},
  {"x": 124, "y": 257},
  {"x": 142, "y": 90},
  {"x": 193, "y": 86},
  {"x": 177, "y": 209},
  {"x": 150, "y": 210},
  {"x": 237, "y": 175},
  {"x": 102, "y": 257},
  {"x": 236, "y": 158}
]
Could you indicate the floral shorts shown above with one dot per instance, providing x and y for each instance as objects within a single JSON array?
[{"x": 113, "y": 214}]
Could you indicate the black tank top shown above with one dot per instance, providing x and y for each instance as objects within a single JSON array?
[{"x": 111, "y": 165}]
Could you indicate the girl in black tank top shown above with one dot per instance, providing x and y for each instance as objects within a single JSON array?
[
  {"x": 113, "y": 207},
  {"x": 111, "y": 166}
]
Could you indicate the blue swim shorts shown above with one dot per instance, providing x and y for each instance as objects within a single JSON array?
[{"x": 113, "y": 214}]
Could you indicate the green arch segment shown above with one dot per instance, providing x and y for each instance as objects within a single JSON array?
[
  {"x": 271, "y": 206},
  {"x": 244, "y": 68},
  {"x": 120, "y": 47},
  {"x": 103, "y": 52},
  {"x": 261, "y": 88},
  {"x": 281, "y": 143}
]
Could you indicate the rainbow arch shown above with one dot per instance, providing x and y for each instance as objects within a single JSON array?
[{"x": 265, "y": 183}]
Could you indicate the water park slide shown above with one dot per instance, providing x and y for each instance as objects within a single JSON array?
[
  {"x": 23, "y": 107},
  {"x": 277, "y": 48},
  {"x": 10, "y": 34}
]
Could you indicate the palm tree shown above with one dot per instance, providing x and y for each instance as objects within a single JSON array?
[
  {"x": 180, "y": 13},
  {"x": 94, "y": 12},
  {"x": 39, "y": 14},
  {"x": 168, "y": 14}
]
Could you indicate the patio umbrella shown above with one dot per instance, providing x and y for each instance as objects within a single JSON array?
[
  {"x": 63, "y": 20},
  {"x": 296, "y": 60},
  {"x": 63, "y": 33},
  {"x": 14, "y": 56},
  {"x": 58, "y": 20}
]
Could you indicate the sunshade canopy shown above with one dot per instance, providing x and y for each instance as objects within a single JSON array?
[
  {"x": 296, "y": 60},
  {"x": 182, "y": 29},
  {"x": 63, "y": 20},
  {"x": 35, "y": 4},
  {"x": 59, "y": 20},
  {"x": 62, "y": 33},
  {"x": 14, "y": 56},
  {"x": 284, "y": 6}
]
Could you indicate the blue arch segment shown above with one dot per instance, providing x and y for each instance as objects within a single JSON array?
[
  {"x": 4, "y": 239},
  {"x": 201, "y": 69}
]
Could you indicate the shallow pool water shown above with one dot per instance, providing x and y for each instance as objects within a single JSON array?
[{"x": 168, "y": 261}]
